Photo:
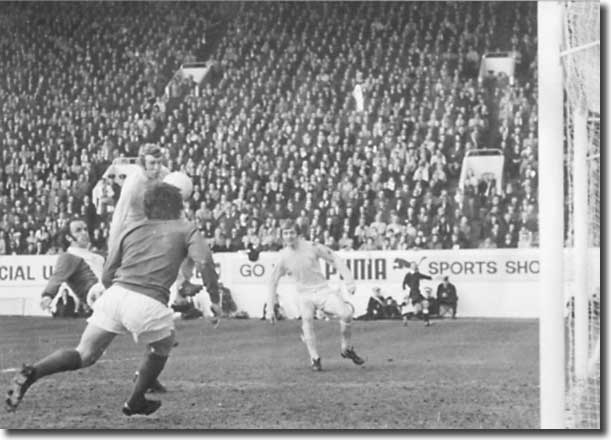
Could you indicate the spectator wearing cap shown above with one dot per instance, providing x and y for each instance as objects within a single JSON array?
[{"x": 447, "y": 297}]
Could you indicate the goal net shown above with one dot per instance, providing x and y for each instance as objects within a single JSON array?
[{"x": 581, "y": 65}]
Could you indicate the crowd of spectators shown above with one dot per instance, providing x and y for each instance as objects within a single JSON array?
[{"x": 275, "y": 132}]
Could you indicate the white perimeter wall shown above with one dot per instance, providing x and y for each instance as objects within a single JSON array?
[{"x": 490, "y": 283}]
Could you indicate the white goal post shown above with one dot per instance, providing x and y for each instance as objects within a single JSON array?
[
  {"x": 551, "y": 213},
  {"x": 569, "y": 214}
]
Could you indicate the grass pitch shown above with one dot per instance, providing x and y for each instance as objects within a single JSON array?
[{"x": 247, "y": 374}]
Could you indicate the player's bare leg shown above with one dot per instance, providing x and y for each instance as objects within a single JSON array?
[
  {"x": 425, "y": 313},
  {"x": 345, "y": 330},
  {"x": 345, "y": 325},
  {"x": 151, "y": 367},
  {"x": 93, "y": 342},
  {"x": 309, "y": 338}
]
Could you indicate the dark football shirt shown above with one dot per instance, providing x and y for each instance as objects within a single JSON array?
[
  {"x": 149, "y": 254},
  {"x": 74, "y": 271}
]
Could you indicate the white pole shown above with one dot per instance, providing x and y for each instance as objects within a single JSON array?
[
  {"x": 580, "y": 216},
  {"x": 551, "y": 216}
]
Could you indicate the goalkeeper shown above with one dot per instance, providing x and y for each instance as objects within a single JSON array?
[{"x": 78, "y": 267}]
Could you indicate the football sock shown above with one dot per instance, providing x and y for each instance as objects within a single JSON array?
[
  {"x": 147, "y": 374},
  {"x": 309, "y": 338},
  {"x": 345, "y": 329},
  {"x": 60, "y": 360}
]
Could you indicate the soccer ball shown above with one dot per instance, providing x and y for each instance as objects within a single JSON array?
[{"x": 182, "y": 182}]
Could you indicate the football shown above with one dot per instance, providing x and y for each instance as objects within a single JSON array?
[{"x": 181, "y": 181}]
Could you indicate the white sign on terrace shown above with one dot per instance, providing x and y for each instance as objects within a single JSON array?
[{"x": 490, "y": 283}]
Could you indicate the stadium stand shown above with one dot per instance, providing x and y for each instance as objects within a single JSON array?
[{"x": 352, "y": 118}]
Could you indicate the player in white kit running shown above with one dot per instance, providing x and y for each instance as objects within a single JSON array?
[{"x": 300, "y": 259}]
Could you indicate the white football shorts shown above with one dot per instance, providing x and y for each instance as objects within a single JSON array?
[
  {"x": 120, "y": 310},
  {"x": 327, "y": 299}
]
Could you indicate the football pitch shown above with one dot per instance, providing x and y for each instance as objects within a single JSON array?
[{"x": 248, "y": 374}]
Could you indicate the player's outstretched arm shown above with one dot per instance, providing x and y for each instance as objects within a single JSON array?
[
  {"x": 64, "y": 268},
  {"x": 425, "y": 277},
  {"x": 334, "y": 260},
  {"x": 112, "y": 264},
  {"x": 122, "y": 208}
]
